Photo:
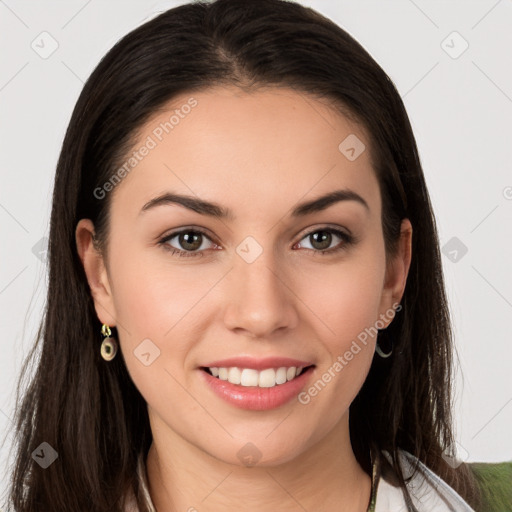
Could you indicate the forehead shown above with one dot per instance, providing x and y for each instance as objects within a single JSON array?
[{"x": 266, "y": 146}]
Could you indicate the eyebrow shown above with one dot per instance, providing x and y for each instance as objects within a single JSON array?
[{"x": 217, "y": 211}]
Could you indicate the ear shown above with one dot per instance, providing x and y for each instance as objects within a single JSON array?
[
  {"x": 397, "y": 271},
  {"x": 96, "y": 272}
]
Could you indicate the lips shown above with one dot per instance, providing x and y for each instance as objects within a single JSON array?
[
  {"x": 265, "y": 395},
  {"x": 257, "y": 398}
]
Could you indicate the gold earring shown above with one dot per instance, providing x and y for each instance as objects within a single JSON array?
[{"x": 109, "y": 345}]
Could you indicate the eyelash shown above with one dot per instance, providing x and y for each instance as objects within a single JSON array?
[{"x": 347, "y": 241}]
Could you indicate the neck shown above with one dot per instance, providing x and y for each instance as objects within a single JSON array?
[{"x": 326, "y": 477}]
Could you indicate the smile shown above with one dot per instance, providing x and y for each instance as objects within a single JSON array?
[{"x": 247, "y": 388}]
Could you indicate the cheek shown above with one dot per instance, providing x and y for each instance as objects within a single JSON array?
[
  {"x": 152, "y": 295},
  {"x": 346, "y": 297},
  {"x": 153, "y": 304},
  {"x": 346, "y": 303},
  {"x": 159, "y": 311},
  {"x": 348, "y": 312}
]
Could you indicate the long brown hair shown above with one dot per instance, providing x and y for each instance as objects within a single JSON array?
[{"x": 90, "y": 411}]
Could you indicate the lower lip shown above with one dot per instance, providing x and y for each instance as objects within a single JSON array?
[{"x": 255, "y": 398}]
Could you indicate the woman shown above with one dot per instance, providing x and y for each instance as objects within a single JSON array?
[{"x": 246, "y": 306}]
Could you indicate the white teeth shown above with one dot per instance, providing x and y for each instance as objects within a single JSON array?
[
  {"x": 249, "y": 377},
  {"x": 281, "y": 375},
  {"x": 267, "y": 378},
  {"x": 234, "y": 375},
  {"x": 290, "y": 373}
]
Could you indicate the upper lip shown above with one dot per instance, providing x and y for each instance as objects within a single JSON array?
[{"x": 257, "y": 364}]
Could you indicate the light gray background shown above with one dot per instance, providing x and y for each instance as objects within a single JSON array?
[{"x": 460, "y": 107}]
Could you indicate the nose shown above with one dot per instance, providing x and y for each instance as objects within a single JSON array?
[{"x": 260, "y": 298}]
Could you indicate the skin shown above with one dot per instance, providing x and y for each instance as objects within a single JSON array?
[{"x": 275, "y": 148}]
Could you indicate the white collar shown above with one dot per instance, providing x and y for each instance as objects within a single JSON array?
[{"x": 427, "y": 490}]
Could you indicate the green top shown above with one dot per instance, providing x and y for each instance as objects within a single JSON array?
[{"x": 495, "y": 481}]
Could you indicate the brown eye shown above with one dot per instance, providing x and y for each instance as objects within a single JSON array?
[
  {"x": 188, "y": 242},
  {"x": 321, "y": 239}
]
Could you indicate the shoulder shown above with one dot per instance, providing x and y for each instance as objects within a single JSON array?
[
  {"x": 427, "y": 491},
  {"x": 495, "y": 482}
]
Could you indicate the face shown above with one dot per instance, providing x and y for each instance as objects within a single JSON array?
[{"x": 186, "y": 289}]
